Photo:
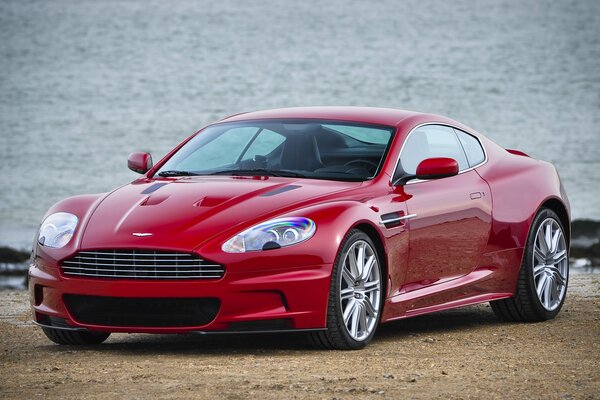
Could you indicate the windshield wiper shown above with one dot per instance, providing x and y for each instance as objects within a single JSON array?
[
  {"x": 260, "y": 171},
  {"x": 176, "y": 173}
]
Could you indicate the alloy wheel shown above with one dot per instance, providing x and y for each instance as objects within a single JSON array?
[
  {"x": 360, "y": 290},
  {"x": 550, "y": 264}
]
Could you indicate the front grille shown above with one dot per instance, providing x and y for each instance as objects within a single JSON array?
[
  {"x": 146, "y": 312},
  {"x": 140, "y": 264}
]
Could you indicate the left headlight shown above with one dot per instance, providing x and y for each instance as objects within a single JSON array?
[
  {"x": 57, "y": 230},
  {"x": 273, "y": 234}
]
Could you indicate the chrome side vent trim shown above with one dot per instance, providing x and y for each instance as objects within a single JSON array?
[{"x": 394, "y": 219}]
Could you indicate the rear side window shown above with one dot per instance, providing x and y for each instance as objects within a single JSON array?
[
  {"x": 473, "y": 149},
  {"x": 431, "y": 141}
]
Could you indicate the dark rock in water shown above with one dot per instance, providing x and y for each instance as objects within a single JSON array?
[
  {"x": 12, "y": 256},
  {"x": 585, "y": 228},
  {"x": 591, "y": 252},
  {"x": 585, "y": 241}
]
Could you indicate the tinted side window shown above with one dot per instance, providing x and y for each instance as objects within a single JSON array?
[
  {"x": 431, "y": 141},
  {"x": 475, "y": 154}
]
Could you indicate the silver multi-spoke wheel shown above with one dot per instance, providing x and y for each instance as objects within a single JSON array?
[
  {"x": 550, "y": 264},
  {"x": 355, "y": 295},
  {"x": 541, "y": 286},
  {"x": 360, "y": 290}
]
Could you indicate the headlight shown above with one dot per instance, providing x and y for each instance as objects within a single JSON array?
[
  {"x": 273, "y": 234},
  {"x": 57, "y": 230}
]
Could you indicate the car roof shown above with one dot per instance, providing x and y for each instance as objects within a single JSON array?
[{"x": 370, "y": 115}]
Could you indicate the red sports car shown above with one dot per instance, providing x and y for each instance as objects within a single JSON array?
[{"x": 327, "y": 220}]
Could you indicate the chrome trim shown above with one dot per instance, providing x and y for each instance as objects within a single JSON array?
[
  {"x": 415, "y": 180},
  {"x": 129, "y": 259},
  {"x": 196, "y": 265},
  {"x": 105, "y": 252},
  {"x": 140, "y": 265},
  {"x": 392, "y": 220},
  {"x": 139, "y": 270},
  {"x": 142, "y": 277}
]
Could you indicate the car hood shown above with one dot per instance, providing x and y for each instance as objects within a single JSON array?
[{"x": 184, "y": 213}]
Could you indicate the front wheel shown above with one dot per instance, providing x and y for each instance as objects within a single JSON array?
[
  {"x": 61, "y": 336},
  {"x": 355, "y": 296},
  {"x": 542, "y": 285}
]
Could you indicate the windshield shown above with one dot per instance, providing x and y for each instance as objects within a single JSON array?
[{"x": 305, "y": 148}]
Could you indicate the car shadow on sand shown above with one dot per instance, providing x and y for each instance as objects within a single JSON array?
[
  {"x": 456, "y": 320},
  {"x": 444, "y": 322}
]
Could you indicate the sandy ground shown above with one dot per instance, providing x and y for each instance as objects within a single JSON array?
[{"x": 465, "y": 353}]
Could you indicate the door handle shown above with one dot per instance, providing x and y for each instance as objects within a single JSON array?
[{"x": 476, "y": 195}]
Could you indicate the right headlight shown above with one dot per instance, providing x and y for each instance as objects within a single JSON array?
[
  {"x": 273, "y": 234},
  {"x": 57, "y": 230}
]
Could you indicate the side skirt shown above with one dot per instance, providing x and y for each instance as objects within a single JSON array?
[
  {"x": 469, "y": 301},
  {"x": 473, "y": 288}
]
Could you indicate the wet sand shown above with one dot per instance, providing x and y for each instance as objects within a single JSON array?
[{"x": 463, "y": 353}]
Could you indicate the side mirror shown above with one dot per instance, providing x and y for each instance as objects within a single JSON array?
[
  {"x": 436, "y": 168},
  {"x": 139, "y": 162}
]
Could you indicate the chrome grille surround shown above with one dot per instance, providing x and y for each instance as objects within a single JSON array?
[{"x": 140, "y": 264}]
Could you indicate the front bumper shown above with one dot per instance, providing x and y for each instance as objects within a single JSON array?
[{"x": 280, "y": 299}]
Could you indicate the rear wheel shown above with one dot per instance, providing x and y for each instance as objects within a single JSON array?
[
  {"x": 355, "y": 294},
  {"x": 544, "y": 275},
  {"x": 61, "y": 336}
]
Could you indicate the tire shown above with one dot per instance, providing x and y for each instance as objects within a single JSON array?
[
  {"x": 77, "y": 338},
  {"x": 355, "y": 296},
  {"x": 544, "y": 275}
]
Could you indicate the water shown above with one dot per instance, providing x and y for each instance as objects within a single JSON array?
[{"x": 83, "y": 83}]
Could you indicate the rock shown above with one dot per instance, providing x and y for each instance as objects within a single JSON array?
[
  {"x": 586, "y": 228},
  {"x": 12, "y": 256}
]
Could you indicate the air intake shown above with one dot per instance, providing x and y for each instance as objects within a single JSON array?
[{"x": 140, "y": 264}]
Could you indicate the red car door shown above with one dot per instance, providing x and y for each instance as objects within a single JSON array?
[{"x": 450, "y": 218}]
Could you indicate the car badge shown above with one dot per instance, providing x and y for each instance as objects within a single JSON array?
[{"x": 140, "y": 234}]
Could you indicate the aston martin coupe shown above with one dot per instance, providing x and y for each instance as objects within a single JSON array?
[{"x": 323, "y": 220}]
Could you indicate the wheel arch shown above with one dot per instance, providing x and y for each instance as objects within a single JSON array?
[
  {"x": 560, "y": 209},
  {"x": 375, "y": 236}
]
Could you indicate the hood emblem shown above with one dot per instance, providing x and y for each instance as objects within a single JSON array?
[{"x": 141, "y": 234}]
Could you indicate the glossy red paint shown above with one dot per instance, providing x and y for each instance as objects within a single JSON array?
[
  {"x": 436, "y": 168},
  {"x": 463, "y": 246}
]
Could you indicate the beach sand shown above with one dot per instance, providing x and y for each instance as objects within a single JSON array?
[{"x": 463, "y": 353}]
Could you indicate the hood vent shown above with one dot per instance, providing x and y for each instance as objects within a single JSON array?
[{"x": 154, "y": 200}]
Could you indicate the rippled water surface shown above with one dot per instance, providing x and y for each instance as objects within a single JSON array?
[{"x": 83, "y": 83}]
